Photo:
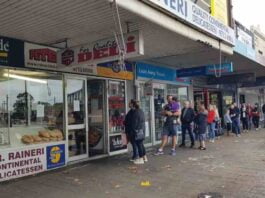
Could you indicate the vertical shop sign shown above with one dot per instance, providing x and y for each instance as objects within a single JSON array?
[
  {"x": 219, "y": 10},
  {"x": 11, "y": 52}
]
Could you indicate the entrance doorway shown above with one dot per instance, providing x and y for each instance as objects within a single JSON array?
[
  {"x": 96, "y": 108},
  {"x": 76, "y": 118}
]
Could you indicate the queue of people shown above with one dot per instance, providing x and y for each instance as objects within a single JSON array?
[{"x": 202, "y": 125}]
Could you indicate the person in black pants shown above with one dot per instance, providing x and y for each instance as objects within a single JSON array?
[
  {"x": 187, "y": 117},
  {"x": 263, "y": 111},
  {"x": 129, "y": 131},
  {"x": 138, "y": 131},
  {"x": 256, "y": 116},
  {"x": 244, "y": 117}
]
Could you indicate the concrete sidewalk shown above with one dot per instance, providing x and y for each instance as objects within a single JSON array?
[{"x": 231, "y": 166}]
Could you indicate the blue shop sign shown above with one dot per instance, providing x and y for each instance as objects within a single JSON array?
[
  {"x": 11, "y": 52},
  {"x": 224, "y": 68},
  {"x": 148, "y": 71},
  {"x": 55, "y": 156}
]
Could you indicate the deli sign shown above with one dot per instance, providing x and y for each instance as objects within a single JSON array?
[{"x": 101, "y": 51}]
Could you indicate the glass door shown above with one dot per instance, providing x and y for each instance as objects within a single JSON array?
[
  {"x": 145, "y": 104},
  {"x": 117, "y": 110},
  {"x": 96, "y": 108},
  {"x": 76, "y": 118},
  {"x": 159, "y": 102}
]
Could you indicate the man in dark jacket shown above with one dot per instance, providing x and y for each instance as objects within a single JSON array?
[
  {"x": 235, "y": 117},
  {"x": 187, "y": 117}
]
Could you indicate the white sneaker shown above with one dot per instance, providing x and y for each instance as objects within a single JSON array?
[
  {"x": 139, "y": 161},
  {"x": 145, "y": 159}
]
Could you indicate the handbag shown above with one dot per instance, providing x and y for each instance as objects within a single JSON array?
[{"x": 139, "y": 134}]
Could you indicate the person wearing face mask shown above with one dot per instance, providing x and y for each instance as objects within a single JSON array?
[{"x": 244, "y": 117}]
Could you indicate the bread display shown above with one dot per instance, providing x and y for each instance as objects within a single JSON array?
[
  {"x": 43, "y": 136},
  {"x": 27, "y": 139}
]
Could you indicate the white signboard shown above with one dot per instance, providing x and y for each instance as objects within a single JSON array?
[
  {"x": 22, "y": 162},
  {"x": 29, "y": 160},
  {"x": 244, "y": 37},
  {"x": 190, "y": 12},
  {"x": 100, "y": 51},
  {"x": 40, "y": 111},
  {"x": 76, "y": 105},
  {"x": 39, "y": 56}
]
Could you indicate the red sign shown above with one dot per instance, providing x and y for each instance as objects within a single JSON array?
[
  {"x": 102, "y": 51},
  {"x": 45, "y": 55}
]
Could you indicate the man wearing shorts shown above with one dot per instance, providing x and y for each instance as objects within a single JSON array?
[{"x": 171, "y": 112}]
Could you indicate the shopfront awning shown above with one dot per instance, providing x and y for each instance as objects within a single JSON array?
[{"x": 166, "y": 41}]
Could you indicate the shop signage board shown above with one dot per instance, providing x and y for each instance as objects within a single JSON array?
[
  {"x": 196, "y": 16},
  {"x": 101, "y": 51},
  {"x": 154, "y": 72},
  {"x": 244, "y": 43},
  {"x": 29, "y": 160},
  {"x": 40, "y": 57},
  {"x": 219, "y": 10},
  {"x": 114, "y": 70},
  {"x": 148, "y": 71},
  {"x": 233, "y": 79},
  {"x": 11, "y": 52},
  {"x": 225, "y": 68}
]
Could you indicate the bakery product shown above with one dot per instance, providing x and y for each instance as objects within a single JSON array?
[
  {"x": 27, "y": 139},
  {"x": 36, "y": 138},
  {"x": 44, "y": 133}
]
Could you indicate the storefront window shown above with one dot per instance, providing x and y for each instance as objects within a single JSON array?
[
  {"x": 31, "y": 107},
  {"x": 117, "y": 106},
  {"x": 181, "y": 93}
]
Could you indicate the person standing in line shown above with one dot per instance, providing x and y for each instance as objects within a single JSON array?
[
  {"x": 201, "y": 126},
  {"x": 211, "y": 123},
  {"x": 235, "y": 117},
  {"x": 244, "y": 117},
  {"x": 217, "y": 120},
  {"x": 228, "y": 122},
  {"x": 263, "y": 111},
  {"x": 171, "y": 112},
  {"x": 256, "y": 116},
  {"x": 187, "y": 117},
  {"x": 249, "y": 112},
  {"x": 138, "y": 129},
  {"x": 129, "y": 131}
]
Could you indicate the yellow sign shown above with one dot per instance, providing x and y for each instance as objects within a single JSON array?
[{"x": 219, "y": 10}]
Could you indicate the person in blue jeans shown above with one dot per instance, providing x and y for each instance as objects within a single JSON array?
[
  {"x": 187, "y": 117},
  {"x": 235, "y": 117}
]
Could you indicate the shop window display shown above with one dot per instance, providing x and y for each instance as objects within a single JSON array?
[
  {"x": 117, "y": 106},
  {"x": 31, "y": 108}
]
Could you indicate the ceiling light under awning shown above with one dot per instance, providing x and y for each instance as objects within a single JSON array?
[{"x": 25, "y": 78}]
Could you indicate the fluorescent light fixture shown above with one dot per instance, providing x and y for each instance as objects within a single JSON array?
[{"x": 25, "y": 78}]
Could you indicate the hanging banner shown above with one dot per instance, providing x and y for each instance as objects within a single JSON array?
[
  {"x": 219, "y": 10},
  {"x": 100, "y": 51},
  {"x": 114, "y": 70},
  {"x": 11, "y": 52},
  {"x": 193, "y": 14},
  {"x": 40, "y": 57}
]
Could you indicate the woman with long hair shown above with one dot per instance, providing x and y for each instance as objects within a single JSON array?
[
  {"x": 211, "y": 123},
  {"x": 138, "y": 131},
  {"x": 201, "y": 126}
]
